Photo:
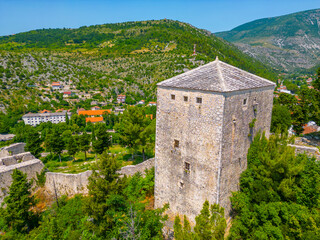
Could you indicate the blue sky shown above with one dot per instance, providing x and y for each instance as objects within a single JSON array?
[{"x": 214, "y": 15}]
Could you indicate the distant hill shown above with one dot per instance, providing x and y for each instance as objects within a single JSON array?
[
  {"x": 128, "y": 57},
  {"x": 287, "y": 42}
]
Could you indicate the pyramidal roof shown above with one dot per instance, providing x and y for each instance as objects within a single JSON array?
[{"x": 217, "y": 76}]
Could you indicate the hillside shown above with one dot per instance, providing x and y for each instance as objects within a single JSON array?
[
  {"x": 109, "y": 59},
  {"x": 287, "y": 42}
]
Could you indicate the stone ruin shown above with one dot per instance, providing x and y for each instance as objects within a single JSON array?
[{"x": 14, "y": 157}]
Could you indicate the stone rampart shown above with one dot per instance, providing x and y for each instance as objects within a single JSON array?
[
  {"x": 11, "y": 160},
  {"x": 31, "y": 168},
  {"x": 11, "y": 150},
  {"x": 130, "y": 170},
  {"x": 310, "y": 151},
  {"x": 71, "y": 184},
  {"x": 67, "y": 184}
]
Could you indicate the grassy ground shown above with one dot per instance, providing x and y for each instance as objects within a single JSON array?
[{"x": 79, "y": 164}]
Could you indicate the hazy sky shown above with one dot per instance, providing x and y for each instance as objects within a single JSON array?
[{"x": 214, "y": 15}]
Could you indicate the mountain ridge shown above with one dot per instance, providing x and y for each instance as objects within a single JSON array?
[{"x": 287, "y": 42}]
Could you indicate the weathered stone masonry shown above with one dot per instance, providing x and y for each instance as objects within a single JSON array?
[{"x": 203, "y": 134}]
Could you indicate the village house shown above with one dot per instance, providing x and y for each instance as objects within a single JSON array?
[
  {"x": 94, "y": 119},
  {"x": 56, "y": 86},
  {"x": 68, "y": 94},
  {"x": 94, "y": 115},
  {"x": 152, "y": 104},
  {"x": 95, "y": 108},
  {"x": 141, "y": 102},
  {"x": 35, "y": 119},
  {"x": 121, "y": 98}
]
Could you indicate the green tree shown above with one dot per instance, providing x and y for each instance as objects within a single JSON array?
[
  {"x": 183, "y": 233},
  {"x": 104, "y": 188},
  {"x": 84, "y": 143},
  {"x": 66, "y": 136},
  {"x": 316, "y": 83},
  {"x": 210, "y": 223},
  {"x": 33, "y": 143},
  {"x": 54, "y": 143},
  {"x": 67, "y": 119},
  {"x": 280, "y": 196},
  {"x": 17, "y": 213},
  {"x": 103, "y": 140},
  {"x": 132, "y": 124},
  {"x": 281, "y": 118},
  {"x": 72, "y": 147}
]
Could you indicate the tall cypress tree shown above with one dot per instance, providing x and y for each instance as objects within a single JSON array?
[{"x": 17, "y": 214}]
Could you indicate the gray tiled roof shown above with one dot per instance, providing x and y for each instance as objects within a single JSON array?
[
  {"x": 63, "y": 113},
  {"x": 217, "y": 76}
]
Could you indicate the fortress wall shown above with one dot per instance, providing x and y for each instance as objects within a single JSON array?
[
  {"x": 13, "y": 149},
  {"x": 237, "y": 135},
  {"x": 67, "y": 184},
  {"x": 141, "y": 167},
  {"x": 71, "y": 184},
  {"x": 310, "y": 151},
  {"x": 11, "y": 160},
  {"x": 198, "y": 128},
  {"x": 31, "y": 168}
]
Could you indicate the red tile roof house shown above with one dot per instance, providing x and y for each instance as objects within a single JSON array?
[
  {"x": 56, "y": 86},
  {"x": 152, "y": 104},
  {"x": 141, "y": 102},
  {"x": 95, "y": 108},
  {"x": 68, "y": 94},
  {"x": 94, "y": 115}
]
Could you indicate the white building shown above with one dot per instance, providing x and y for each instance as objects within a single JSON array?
[{"x": 35, "y": 119}]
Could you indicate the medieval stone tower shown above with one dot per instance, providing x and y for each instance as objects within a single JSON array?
[{"x": 203, "y": 134}]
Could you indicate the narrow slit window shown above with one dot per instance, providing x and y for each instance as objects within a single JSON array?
[
  {"x": 245, "y": 101},
  {"x": 199, "y": 100},
  {"x": 187, "y": 166},
  {"x": 185, "y": 98},
  {"x": 176, "y": 143},
  {"x": 173, "y": 97}
]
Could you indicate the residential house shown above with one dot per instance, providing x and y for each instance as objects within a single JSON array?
[
  {"x": 92, "y": 115},
  {"x": 152, "y": 104},
  {"x": 121, "y": 98},
  {"x": 141, "y": 102},
  {"x": 34, "y": 119},
  {"x": 56, "y": 86}
]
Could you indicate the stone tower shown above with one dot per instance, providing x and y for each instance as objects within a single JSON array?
[{"x": 203, "y": 134}]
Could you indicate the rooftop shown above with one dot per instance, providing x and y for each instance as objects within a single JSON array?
[
  {"x": 47, "y": 114},
  {"x": 94, "y": 112},
  {"x": 217, "y": 76},
  {"x": 94, "y": 119}
]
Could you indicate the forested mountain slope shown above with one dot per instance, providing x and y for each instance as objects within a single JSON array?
[
  {"x": 288, "y": 42},
  {"x": 111, "y": 59}
]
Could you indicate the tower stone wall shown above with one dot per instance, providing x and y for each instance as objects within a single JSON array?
[
  {"x": 198, "y": 128},
  {"x": 237, "y": 135},
  {"x": 203, "y": 134}
]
